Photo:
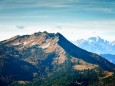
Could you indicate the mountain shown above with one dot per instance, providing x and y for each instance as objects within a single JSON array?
[
  {"x": 96, "y": 45},
  {"x": 47, "y": 59},
  {"x": 113, "y": 43},
  {"x": 109, "y": 57}
]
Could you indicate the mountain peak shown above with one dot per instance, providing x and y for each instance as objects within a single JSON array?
[
  {"x": 53, "y": 42},
  {"x": 43, "y": 54},
  {"x": 48, "y": 35},
  {"x": 96, "y": 39},
  {"x": 96, "y": 45},
  {"x": 113, "y": 43}
]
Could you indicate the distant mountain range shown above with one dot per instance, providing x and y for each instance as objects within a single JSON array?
[
  {"x": 49, "y": 59},
  {"x": 96, "y": 45}
]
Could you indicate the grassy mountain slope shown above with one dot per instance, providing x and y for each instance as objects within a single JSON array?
[{"x": 47, "y": 59}]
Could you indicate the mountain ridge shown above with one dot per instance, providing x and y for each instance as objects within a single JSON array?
[
  {"x": 96, "y": 45},
  {"x": 109, "y": 57},
  {"x": 49, "y": 54}
]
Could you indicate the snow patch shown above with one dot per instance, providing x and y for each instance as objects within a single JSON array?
[
  {"x": 25, "y": 43},
  {"x": 16, "y": 44},
  {"x": 45, "y": 46},
  {"x": 34, "y": 43}
]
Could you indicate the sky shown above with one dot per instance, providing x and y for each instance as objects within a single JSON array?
[{"x": 75, "y": 19}]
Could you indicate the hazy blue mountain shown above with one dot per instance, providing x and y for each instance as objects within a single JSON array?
[
  {"x": 109, "y": 57},
  {"x": 96, "y": 45}
]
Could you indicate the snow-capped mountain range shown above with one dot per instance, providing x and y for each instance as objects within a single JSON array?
[{"x": 96, "y": 45}]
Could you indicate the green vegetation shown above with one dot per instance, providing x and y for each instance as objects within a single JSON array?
[
  {"x": 72, "y": 78},
  {"x": 109, "y": 81}
]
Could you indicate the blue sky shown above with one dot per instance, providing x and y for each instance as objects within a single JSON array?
[{"x": 75, "y": 19}]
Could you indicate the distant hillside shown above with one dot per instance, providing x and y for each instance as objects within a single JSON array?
[
  {"x": 109, "y": 57},
  {"x": 47, "y": 59},
  {"x": 96, "y": 45}
]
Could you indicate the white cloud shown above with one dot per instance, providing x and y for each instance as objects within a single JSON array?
[{"x": 20, "y": 26}]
